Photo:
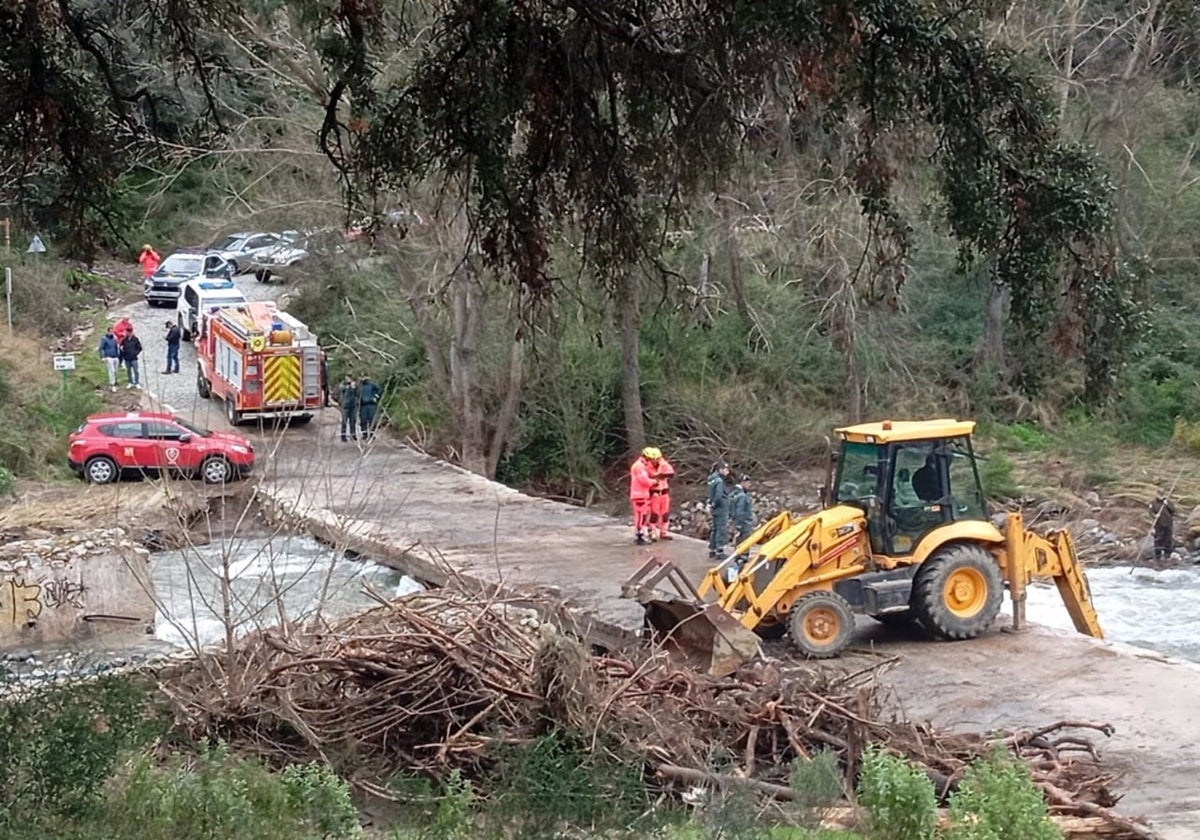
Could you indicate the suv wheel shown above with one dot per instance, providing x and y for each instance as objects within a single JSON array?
[
  {"x": 216, "y": 470},
  {"x": 101, "y": 470}
]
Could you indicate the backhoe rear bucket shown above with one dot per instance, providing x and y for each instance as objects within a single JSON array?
[{"x": 702, "y": 636}]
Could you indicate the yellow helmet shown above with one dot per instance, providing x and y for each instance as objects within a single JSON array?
[{"x": 652, "y": 453}]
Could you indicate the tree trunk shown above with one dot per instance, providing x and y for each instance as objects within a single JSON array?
[
  {"x": 837, "y": 286},
  {"x": 629, "y": 327},
  {"x": 733, "y": 255},
  {"x": 990, "y": 352},
  {"x": 465, "y": 309},
  {"x": 439, "y": 365},
  {"x": 512, "y": 390}
]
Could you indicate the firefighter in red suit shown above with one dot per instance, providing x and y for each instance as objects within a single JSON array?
[
  {"x": 641, "y": 481},
  {"x": 660, "y": 499}
]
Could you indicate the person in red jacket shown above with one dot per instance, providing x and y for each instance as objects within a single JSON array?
[
  {"x": 660, "y": 499},
  {"x": 641, "y": 480},
  {"x": 121, "y": 329},
  {"x": 149, "y": 260}
]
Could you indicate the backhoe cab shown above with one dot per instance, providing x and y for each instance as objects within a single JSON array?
[{"x": 904, "y": 536}]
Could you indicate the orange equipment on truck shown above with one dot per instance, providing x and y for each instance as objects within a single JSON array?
[{"x": 260, "y": 361}]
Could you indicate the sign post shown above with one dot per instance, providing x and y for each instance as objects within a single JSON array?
[
  {"x": 64, "y": 362},
  {"x": 8, "y": 296}
]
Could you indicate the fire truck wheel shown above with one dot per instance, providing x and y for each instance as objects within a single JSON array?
[
  {"x": 202, "y": 387},
  {"x": 301, "y": 419},
  {"x": 216, "y": 470},
  {"x": 232, "y": 414}
]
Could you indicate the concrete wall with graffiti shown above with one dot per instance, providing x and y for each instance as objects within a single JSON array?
[{"x": 73, "y": 587}]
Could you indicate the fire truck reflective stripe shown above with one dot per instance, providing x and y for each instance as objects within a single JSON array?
[{"x": 281, "y": 379}]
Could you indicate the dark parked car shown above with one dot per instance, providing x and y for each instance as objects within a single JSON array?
[
  {"x": 162, "y": 287},
  {"x": 241, "y": 249}
]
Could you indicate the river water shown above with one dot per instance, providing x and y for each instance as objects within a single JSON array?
[
  {"x": 290, "y": 577},
  {"x": 1148, "y": 608}
]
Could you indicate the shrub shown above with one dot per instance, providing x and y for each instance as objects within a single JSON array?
[
  {"x": 554, "y": 781},
  {"x": 996, "y": 475},
  {"x": 218, "y": 795},
  {"x": 898, "y": 798},
  {"x": 816, "y": 783},
  {"x": 997, "y": 800},
  {"x": 59, "y": 747}
]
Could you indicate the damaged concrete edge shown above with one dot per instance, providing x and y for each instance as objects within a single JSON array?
[{"x": 416, "y": 561}]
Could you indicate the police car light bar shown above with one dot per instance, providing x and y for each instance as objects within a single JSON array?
[{"x": 217, "y": 284}]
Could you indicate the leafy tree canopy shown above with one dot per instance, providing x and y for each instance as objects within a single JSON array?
[{"x": 602, "y": 116}]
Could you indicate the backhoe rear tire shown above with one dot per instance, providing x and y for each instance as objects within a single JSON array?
[
  {"x": 821, "y": 624},
  {"x": 957, "y": 592}
]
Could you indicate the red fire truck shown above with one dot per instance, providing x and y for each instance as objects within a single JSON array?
[{"x": 260, "y": 361}]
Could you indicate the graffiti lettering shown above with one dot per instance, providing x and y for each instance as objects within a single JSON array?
[
  {"x": 20, "y": 603},
  {"x": 63, "y": 593}
]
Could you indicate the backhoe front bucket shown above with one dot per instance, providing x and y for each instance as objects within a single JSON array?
[{"x": 702, "y": 636}]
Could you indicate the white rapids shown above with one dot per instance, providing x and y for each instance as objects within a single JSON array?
[
  {"x": 1148, "y": 608},
  {"x": 281, "y": 578}
]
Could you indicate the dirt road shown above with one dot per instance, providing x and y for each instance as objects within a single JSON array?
[{"x": 179, "y": 390}]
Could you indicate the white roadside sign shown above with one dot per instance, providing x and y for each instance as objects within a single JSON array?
[{"x": 64, "y": 362}]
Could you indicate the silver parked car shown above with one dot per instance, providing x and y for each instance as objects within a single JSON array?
[{"x": 241, "y": 249}]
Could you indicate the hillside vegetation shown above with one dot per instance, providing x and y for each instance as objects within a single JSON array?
[{"x": 819, "y": 251}]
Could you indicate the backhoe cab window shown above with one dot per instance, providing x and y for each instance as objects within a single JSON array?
[
  {"x": 859, "y": 470},
  {"x": 964, "y": 480}
]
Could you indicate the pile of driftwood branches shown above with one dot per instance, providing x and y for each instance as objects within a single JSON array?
[{"x": 437, "y": 681}]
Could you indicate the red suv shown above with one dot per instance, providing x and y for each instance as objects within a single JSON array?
[{"x": 146, "y": 442}]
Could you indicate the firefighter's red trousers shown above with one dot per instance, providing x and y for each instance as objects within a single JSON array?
[
  {"x": 660, "y": 511},
  {"x": 641, "y": 515}
]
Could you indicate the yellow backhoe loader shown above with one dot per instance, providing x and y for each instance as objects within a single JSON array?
[{"x": 904, "y": 536}]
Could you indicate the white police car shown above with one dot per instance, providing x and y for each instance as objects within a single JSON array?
[{"x": 199, "y": 296}]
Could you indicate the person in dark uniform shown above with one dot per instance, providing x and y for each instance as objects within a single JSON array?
[
  {"x": 1164, "y": 526},
  {"x": 741, "y": 509},
  {"x": 348, "y": 402},
  {"x": 368, "y": 399},
  {"x": 718, "y": 505}
]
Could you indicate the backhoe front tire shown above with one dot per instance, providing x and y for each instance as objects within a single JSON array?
[
  {"x": 821, "y": 624},
  {"x": 957, "y": 591}
]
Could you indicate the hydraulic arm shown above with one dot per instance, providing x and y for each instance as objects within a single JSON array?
[{"x": 1029, "y": 555}]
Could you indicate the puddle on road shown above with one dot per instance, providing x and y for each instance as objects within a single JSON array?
[
  {"x": 1142, "y": 607},
  {"x": 291, "y": 576}
]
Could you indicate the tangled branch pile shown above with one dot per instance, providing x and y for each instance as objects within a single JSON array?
[{"x": 438, "y": 681}]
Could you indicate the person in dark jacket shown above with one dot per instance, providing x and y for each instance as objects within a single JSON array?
[
  {"x": 173, "y": 336},
  {"x": 131, "y": 351},
  {"x": 110, "y": 354},
  {"x": 741, "y": 509},
  {"x": 368, "y": 399},
  {"x": 718, "y": 506},
  {"x": 1164, "y": 526},
  {"x": 348, "y": 402},
  {"x": 324, "y": 381}
]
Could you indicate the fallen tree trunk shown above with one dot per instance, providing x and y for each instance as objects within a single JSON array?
[{"x": 1073, "y": 828}]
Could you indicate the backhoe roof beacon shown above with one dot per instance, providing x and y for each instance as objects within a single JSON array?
[{"x": 903, "y": 536}]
